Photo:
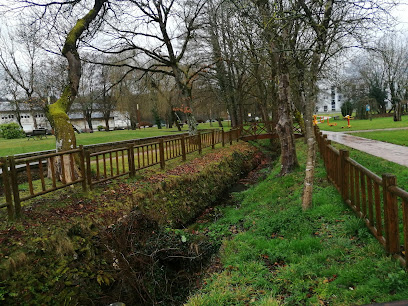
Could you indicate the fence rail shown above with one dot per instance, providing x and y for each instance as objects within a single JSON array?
[
  {"x": 381, "y": 204},
  {"x": 27, "y": 176}
]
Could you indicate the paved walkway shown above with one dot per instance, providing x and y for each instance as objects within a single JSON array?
[
  {"x": 388, "y": 129},
  {"x": 394, "y": 153}
]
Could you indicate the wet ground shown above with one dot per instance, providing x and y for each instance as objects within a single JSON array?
[{"x": 391, "y": 152}]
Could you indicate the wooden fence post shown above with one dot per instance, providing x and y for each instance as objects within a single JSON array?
[
  {"x": 7, "y": 189},
  {"x": 200, "y": 149},
  {"x": 83, "y": 170},
  {"x": 223, "y": 137},
  {"x": 88, "y": 169},
  {"x": 183, "y": 147},
  {"x": 344, "y": 173},
  {"x": 212, "y": 139},
  {"x": 131, "y": 160},
  {"x": 230, "y": 136},
  {"x": 321, "y": 143},
  {"x": 327, "y": 159},
  {"x": 392, "y": 243},
  {"x": 161, "y": 151},
  {"x": 14, "y": 186},
  {"x": 325, "y": 150}
]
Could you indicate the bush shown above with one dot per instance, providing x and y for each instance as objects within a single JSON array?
[
  {"x": 101, "y": 128},
  {"x": 347, "y": 109},
  {"x": 11, "y": 131}
]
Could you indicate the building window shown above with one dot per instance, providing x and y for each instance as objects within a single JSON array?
[
  {"x": 333, "y": 105},
  {"x": 325, "y": 108}
]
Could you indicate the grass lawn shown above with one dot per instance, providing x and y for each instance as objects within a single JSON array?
[
  {"x": 273, "y": 253},
  {"x": 397, "y": 137},
  {"x": 376, "y": 123},
  {"x": 18, "y": 146},
  {"x": 378, "y": 165}
]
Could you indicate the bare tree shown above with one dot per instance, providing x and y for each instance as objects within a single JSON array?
[
  {"x": 278, "y": 31},
  {"x": 226, "y": 40},
  {"x": 394, "y": 56},
  {"x": 19, "y": 57},
  {"x": 51, "y": 16},
  {"x": 168, "y": 28}
]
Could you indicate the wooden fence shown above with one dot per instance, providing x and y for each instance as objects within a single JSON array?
[
  {"x": 377, "y": 200},
  {"x": 24, "y": 177}
]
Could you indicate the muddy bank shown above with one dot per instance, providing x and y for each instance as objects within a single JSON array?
[
  {"x": 145, "y": 257},
  {"x": 158, "y": 260}
]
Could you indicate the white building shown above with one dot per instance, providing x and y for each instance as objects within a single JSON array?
[
  {"x": 329, "y": 99},
  {"x": 8, "y": 114}
]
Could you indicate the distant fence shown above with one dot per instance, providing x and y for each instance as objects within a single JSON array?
[
  {"x": 377, "y": 200},
  {"x": 26, "y": 176}
]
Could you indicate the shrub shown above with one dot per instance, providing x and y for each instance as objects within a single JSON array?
[
  {"x": 347, "y": 109},
  {"x": 101, "y": 128},
  {"x": 11, "y": 131}
]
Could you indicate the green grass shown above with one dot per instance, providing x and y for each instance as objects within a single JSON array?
[
  {"x": 18, "y": 146},
  {"x": 399, "y": 137},
  {"x": 378, "y": 165},
  {"x": 273, "y": 253},
  {"x": 376, "y": 123}
]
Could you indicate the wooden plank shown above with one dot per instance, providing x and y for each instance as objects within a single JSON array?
[
  {"x": 357, "y": 188},
  {"x": 363, "y": 195},
  {"x": 352, "y": 184},
  {"x": 40, "y": 169},
  {"x": 117, "y": 163},
  {"x": 405, "y": 224},
  {"x": 53, "y": 174},
  {"x": 97, "y": 167},
  {"x": 30, "y": 179},
  {"x": 111, "y": 163},
  {"x": 391, "y": 215},
  {"x": 7, "y": 188},
  {"x": 377, "y": 202},
  {"x": 370, "y": 200}
]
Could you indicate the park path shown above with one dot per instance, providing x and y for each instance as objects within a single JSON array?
[{"x": 388, "y": 151}]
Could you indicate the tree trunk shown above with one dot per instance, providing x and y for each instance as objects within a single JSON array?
[
  {"x": 64, "y": 135},
  {"x": 397, "y": 111},
  {"x": 107, "y": 123},
  {"x": 311, "y": 153},
  {"x": 284, "y": 128},
  {"x": 57, "y": 112}
]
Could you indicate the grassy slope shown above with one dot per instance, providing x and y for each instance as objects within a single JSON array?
[
  {"x": 18, "y": 146},
  {"x": 378, "y": 165},
  {"x": 376, "y": 123},
  {"x": 272, "y": 253},
  {"x": 51, "y": 258}
]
